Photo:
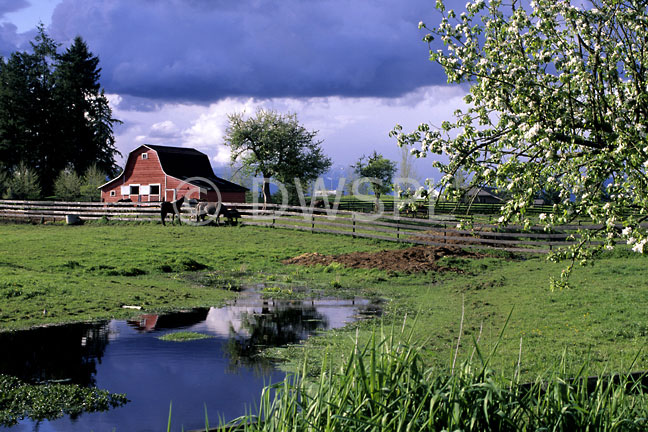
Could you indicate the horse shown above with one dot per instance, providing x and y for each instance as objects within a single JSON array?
[
  {"x": 233, "y": 216},
  {"x": 320, "y": 204},
  {"x": 203, "y": 209},
  {"x": 171, "y": 207}
]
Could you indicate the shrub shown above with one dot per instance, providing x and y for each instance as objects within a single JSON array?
[
  {"x": 92, "y": 179},
  {"x": 67, "y": 186},
  {"x": 23, "y": 184}
]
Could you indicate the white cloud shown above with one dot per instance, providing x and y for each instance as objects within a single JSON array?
[
  {"x": 349, "y": 127},
  {"x": 164, "y": 129},
  {"x": 222, "y": 156}
]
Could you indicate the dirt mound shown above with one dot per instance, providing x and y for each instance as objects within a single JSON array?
[{"x": 414, "y": 259}]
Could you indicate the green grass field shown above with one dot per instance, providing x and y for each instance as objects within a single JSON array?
[{"x": 91, "y": 271}]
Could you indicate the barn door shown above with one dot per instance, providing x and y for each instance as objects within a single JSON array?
[{"x": 170, "y": 195}]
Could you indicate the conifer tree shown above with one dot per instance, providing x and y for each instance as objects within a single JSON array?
[
  {"x": 85, "y": 117},
  {"x": 23, "y": 184},
  {"x": 91, "y": 180},
  {"x": 67, "y": 186},
  {"x": 53, "y": 112}
]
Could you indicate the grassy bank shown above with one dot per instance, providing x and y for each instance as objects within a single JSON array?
[
  {"x": 386, "y": 385},
  {"x": 56, "y": 273},
  {"x": 599, "y": 320},
  {"x": 91, "y": 271}
]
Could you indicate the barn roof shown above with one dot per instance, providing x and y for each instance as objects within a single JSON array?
[
  {"x": 484, "y": 191},
  {"x": 189, "y": 165},
  {"x": 183, "y": 163}
]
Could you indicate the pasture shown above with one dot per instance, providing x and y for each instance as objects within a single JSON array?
[{"x": 55, "y": 273}]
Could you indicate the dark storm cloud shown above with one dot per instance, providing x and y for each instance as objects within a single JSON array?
[
  {"x": 7, "y": 6},
  {"x": 200, "y": 51}
]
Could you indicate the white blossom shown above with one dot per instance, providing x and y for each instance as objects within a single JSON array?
[
  {"x": 639, "y": 246},
  {"x": 521, "y": 125}
]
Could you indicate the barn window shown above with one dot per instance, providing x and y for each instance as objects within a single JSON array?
[
  {"x": 144, "y": 155},
  {"x": 155, "y": 189},
  {"x": 134, "y": 190},
  {"x": 112, "y": 193}
]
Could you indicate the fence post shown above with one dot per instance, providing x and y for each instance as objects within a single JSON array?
[
  {"x": 397, "y": 232},
  {"x": 353, "y": 218},
  {"x": 273, "y": 218},
  {"x": 445, "y": 232},
  {"x": 312, "y": 223}
]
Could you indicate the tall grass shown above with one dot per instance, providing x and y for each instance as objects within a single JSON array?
[{"x": 385, "y": 386}]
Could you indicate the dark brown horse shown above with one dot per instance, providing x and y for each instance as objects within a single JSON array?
[
  {"x": 320, "y": 204},
  {"x": 232, "y": 216},
  {"x": 171, "y": 207},
  {"x": 203, "y": 209}
]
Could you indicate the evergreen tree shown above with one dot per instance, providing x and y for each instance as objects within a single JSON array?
[
  {"x": 85, "y": 115},
  {"x": 27, "y": 127},
  {"x": 4, "y": 180},
  {"x": 90, "y": 182},
  {"x": 23, "y": 184},
  {"x": 67, "y": 186},
  {"x": 53, "y": 112}
]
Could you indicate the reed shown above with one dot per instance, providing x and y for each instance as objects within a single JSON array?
[{"x": 385, "y": 386}]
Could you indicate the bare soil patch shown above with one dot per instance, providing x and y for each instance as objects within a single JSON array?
[{"x": 410, "y": 260}]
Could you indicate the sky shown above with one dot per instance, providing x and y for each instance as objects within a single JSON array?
[{"x": 174, "y": 69}]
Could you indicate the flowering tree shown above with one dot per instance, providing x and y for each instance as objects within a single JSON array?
[{"x": 558, "y": 99}]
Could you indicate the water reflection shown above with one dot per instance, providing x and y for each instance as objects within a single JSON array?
[
  {"x": 272, "y": 326},
  {"x": 224, "y": 372},
  {"x": 55, "y": 354},
  {"x": 171, "y": 320}
]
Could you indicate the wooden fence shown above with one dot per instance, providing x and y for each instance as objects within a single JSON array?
[
  {"x": 425, "y": 208},
  {"x": 51, "y": 211},
  {"x": 458, "y": 209},
  {"x": 439, "y": 230}
]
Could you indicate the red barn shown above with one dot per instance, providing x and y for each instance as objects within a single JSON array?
[{"x": 162, "y": 173}]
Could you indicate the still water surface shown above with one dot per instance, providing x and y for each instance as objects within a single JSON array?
[{"x": 221, "y": 373}]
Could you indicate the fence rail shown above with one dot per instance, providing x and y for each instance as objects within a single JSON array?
[{"x": 437, "y": 230}]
